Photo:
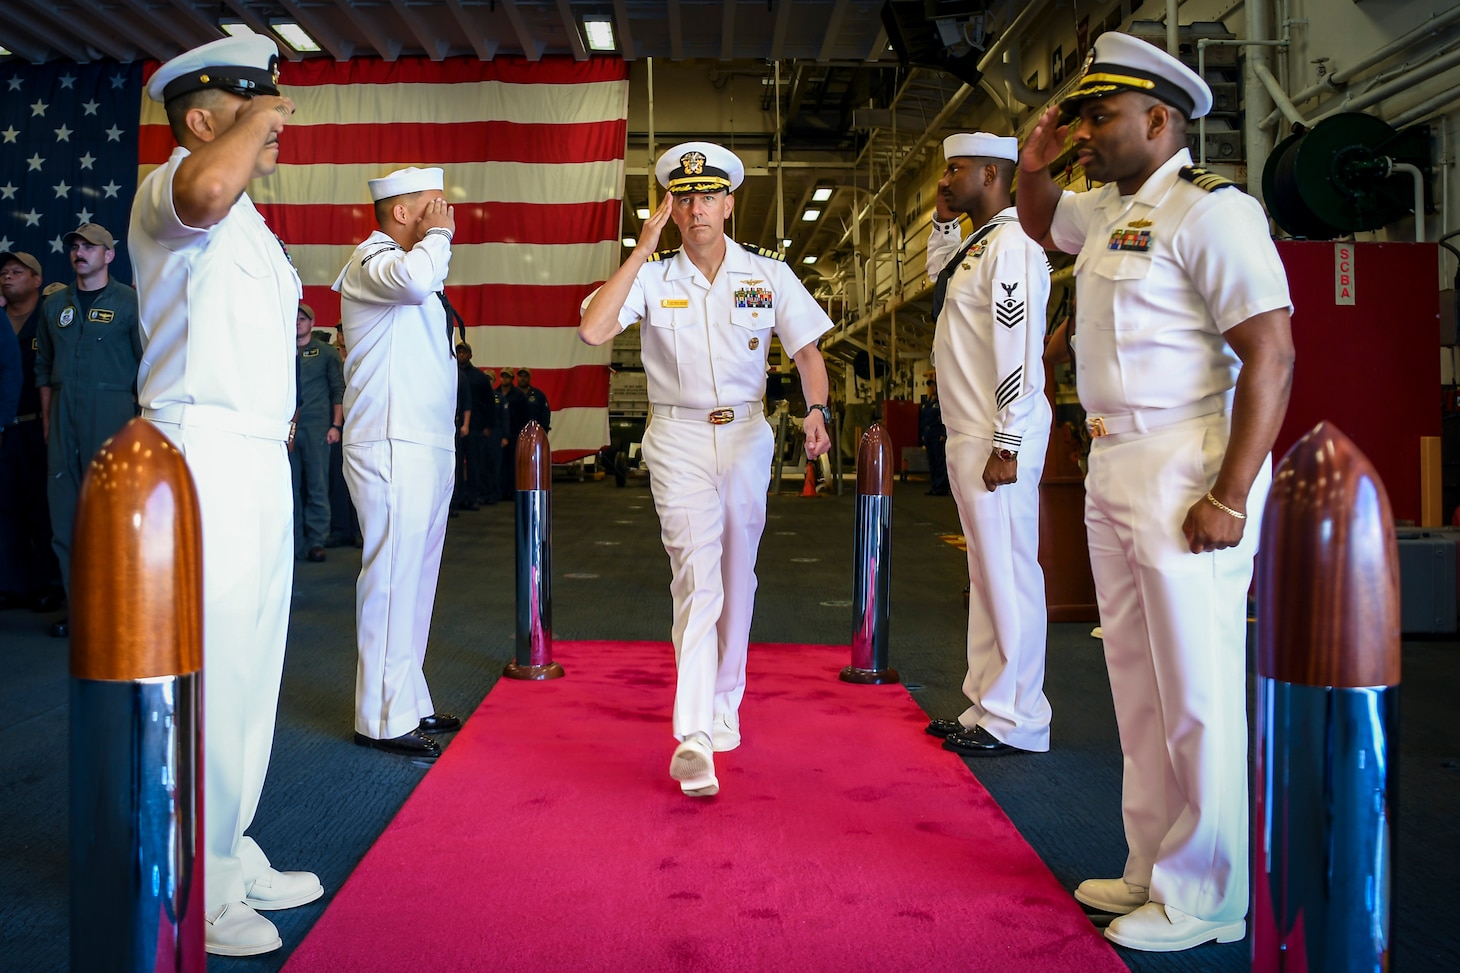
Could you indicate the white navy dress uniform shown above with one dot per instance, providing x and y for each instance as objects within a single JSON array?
[
  {"x": 400, "y": 455},
  {"x": 1161, "y": 275},
  {"x": 217, "y": 309},
  {"x": 988, "y": 347},
  {"x": 708, "y": 445}
]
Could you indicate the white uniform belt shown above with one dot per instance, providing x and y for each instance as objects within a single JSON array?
[
  {"x": 223, "y": 420},
  {"x": 1144, "y": 420},
  {"x": 718, "y": 416}
]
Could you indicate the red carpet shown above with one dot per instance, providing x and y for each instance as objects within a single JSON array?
[{"x": 843, "y": 838}]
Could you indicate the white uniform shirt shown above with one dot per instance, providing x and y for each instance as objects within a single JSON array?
[
  {"x": 989, "y": 342},
  {"x": 217, "y": 306},
  {"x": 400, "y": 372},
  {"x": 705, "y": 345},
  {"x": 1160, "y": 276}
]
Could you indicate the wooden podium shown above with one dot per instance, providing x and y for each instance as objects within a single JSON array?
[{"x": 1069, "y": 588}]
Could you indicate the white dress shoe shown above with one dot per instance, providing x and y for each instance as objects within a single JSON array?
[
  {"x": 1113, "y": 895},
  {"x": 237, "y": 930},
  {"x": 693, "y": 765},
  {"x": 725, "y": 734},
  {"x": 1159, "y": 928},
  {"x": 283, "y": 890}
]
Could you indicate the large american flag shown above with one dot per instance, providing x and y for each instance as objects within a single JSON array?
[{"x": 534, "y": 159}]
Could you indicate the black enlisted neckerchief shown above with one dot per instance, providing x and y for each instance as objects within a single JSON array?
[
  {"x": 452, "y": 316},
  {"x": 940, "y": 288}
]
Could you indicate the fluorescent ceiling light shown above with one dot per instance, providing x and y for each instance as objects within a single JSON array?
[
  {"x": 599, "y": 28},
  {"x": 822, "y": 193},
  {"x": 294, "y": 35},
  {"x": 235, "y": 29},
  {"x": 811, "y": 216},
  {"x": 786, "y": 244},
  {"x": 808, "y": 260},
  {"x": 630, "y": 242},
  {"x": 5, "y": 52},
  {"x": 642, "y": 212}
]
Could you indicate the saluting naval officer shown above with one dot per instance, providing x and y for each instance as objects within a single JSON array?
[
  {"x": 987, "y": 345},
  {"x": 86, "y": 369},
  {"x": 400, "y": 451},
  {"x": 709, "y": 311},
  {"x": 217, "y": 297},
  {"x": 1184, "y": 359}
]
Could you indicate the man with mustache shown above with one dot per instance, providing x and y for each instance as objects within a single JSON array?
[
  {"x": 709, "y": 312},
  {"x": 1184, "y": 357},
  {"x": 217, "y": 378},
  {"x": 86, "y": 369}
]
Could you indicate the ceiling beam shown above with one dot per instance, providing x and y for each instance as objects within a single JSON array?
[
  {"x": 570, "y": 27},
  {"x": 531, "y": 47},
  {"x": 484, "y": 46},
  {"x": 387, "y": 47},
  {"x": 256, "y": 24},
  {"x": 146, "y": 42},
  {"x": 57, "y": 42},
  {"x": 676, "y": 31},
  {"x": 329, "y": 39},
  {"x": 879, "y": 46},
  {"x": 171, "y": 27},
  {"x": 833, "y": 28},
  {"x": 435, "y": 47},
  {"x": 778, "y": 35},
  {"x": 107, "y": 44},
  {"x": 204, "y": 27},
  {"x": 727, "y": 32},
  {"x": 621, "y": 25},
  {"x": 23, "y": 48}
]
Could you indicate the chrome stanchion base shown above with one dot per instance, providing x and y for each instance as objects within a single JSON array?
[
  {"x": 870, "y": 677},
  {"x": 553, "y": 670}
]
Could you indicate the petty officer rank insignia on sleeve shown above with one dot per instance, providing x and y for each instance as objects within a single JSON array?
[
  {"x": 1138, "y": 241},
  {"x": 1203, "y": 179}
]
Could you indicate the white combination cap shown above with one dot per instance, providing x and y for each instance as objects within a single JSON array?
[
  {"x": 407, "y": 180},
  {"x": 699, "y": 167},
  {"x": 247, "y": 64},
  {"x": 982, "y": 145},
  {"x": 1119, "y": 62}
]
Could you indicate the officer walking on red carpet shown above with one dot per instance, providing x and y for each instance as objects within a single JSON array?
[
  {"x": 400, "y": 451},
  {"x": 988, "y": 347},
  {"x": 1184, "y": 358},
  {"x": 709, "y": 312},
  {"x": 218, "y": 298}
]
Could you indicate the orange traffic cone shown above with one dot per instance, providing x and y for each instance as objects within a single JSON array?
[{"x": 808, "y": 488}]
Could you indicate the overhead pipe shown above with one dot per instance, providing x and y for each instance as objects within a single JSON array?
[
  {"x": 1419, "y": 195},
  {"x": 1401, "y": 82},
  {"x": 1279, "y": 98},
  {"x": 1332, "y": 83},
  {"x": 136, "y": 763},
  {"x": 1426, "y": 108}
]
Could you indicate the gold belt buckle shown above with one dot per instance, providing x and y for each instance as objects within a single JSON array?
[
  {"x": 1097, "y": 426},
  {"x": 720, "y": 417}
]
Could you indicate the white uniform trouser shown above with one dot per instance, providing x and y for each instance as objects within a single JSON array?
[
  {"x": 1175, "y": 627},
  {"x": 247, "y": 510},
  {"x": 402, "y": 492},
  {"x": 709, "y": 484},
  {"x": 1007, "y": 618}
]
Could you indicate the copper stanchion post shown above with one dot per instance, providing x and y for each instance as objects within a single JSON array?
[
  {"x": 136, "y": 864},
  {"x": 1327, "y": 711},
  {"x": 534, "y": 559},
  {"x": 872, "y": 561}
]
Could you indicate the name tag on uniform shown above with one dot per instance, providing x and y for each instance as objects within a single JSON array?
[
  {"x": 101, "y": 314},
  {"x": 674, "y": 302},
  {"x": 311, "y": 353}
]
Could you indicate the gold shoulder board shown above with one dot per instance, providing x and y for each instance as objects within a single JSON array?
[
  {"x": 663, "y": 254},
  {"x": 1203, "y": 179},
  {"x": 764, "y": 251}
]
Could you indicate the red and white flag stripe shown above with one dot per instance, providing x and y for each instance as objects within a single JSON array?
[{"x": 534, "y": 159}]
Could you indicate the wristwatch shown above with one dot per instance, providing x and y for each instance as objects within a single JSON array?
[
  {"x": 1006, "y": 455},
  {"x": 825, "y": 412}
]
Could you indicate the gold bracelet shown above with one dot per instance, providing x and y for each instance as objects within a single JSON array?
[{"x": 1223, "y": 507}]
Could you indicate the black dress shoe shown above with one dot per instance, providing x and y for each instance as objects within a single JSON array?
[
  {"x": 61, "y": 629},
  {"x": 440, "y": 723},
  {"x": 412, "y": 744},
  {"x": 316, "y": 554},
  {"x": 978, "y": 742},
  {"x": 943, "y": 728}
]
